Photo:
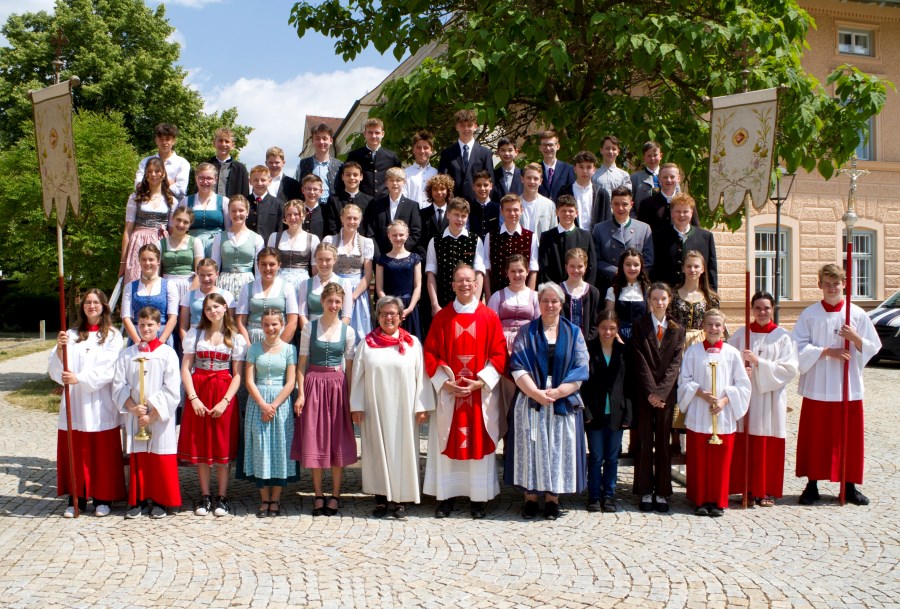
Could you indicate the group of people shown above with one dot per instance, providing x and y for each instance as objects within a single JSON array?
[{"x": 562, "y": 305}]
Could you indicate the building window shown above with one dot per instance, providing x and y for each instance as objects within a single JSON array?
[
  {"x": 855, "y": 42},
  {"x": 866, "y": 149},
  {"x": 863, "y": 276},
  {"x": 769, "y": 252}
]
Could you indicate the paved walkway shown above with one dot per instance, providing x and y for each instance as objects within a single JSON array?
[{"x": 786, "y": 556}]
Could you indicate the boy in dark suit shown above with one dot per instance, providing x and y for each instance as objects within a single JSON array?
[
  {"x": 393, "y": 206},
  {"x": 374, "y": 160},
  {"x": 461, "y": 160},
  {"x": 646, "y": 181},
  {"x": 321, "y": 163},
  {"x": 351, "y": 177},
  {"x": 485, "y": 212},
  {"x": 282, "y": 187},
  {"x": 232, "y": 176},
  {"x": 554, "y": 244},
  {"x": 557, "y": 174},
  {"x": 507, "y": 177},
  {"x": 592, "y": 201},
  {"x": 265, "y": 210},
  {"x": 314, "y": 216},
  {"x": 655, "y": 208}
]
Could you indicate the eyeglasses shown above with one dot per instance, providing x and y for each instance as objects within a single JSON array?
[{"x": 389, "y": 315}]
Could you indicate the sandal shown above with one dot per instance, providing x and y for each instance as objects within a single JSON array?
[
  {"x": 276, "y": 511},
  {"x": 319, "y": 509},
  {"x": 263, "y": 509},
  {"x": 767, "y": 501},
  {"x": 331, "y": 511}
]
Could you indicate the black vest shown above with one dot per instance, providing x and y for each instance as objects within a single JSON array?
[{"x": 450, "y": 252}]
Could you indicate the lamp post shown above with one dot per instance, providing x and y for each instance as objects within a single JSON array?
[{"x": 778, "y": 200}]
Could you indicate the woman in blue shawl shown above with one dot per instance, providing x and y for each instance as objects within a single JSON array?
[{"x": 544, "y": 447}]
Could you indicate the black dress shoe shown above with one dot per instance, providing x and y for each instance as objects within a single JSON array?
[
  {"x": 608, "y": 505},
  {"x": 400, "y": 511},
  {"x": 716, "y": 512},
  {"x": 854, "y": 496},
  {"x": 701, "y": 510},
  {"x": 660, "y": 506},
  {"x": 809, "y": 495},
  {"x": 646, "y": 506},
  {"x": 477, "y": 510},
  {"x": 530, "y": 510},
  {"x": 444, "y": 508},
  {"x": 380, "y": 511},
  {"x": 595, "y": 505},
  {"x": 551, "y": 510}
]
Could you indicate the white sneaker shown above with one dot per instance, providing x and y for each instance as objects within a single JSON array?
[
  {"x": 158, "y": 512},
  {"x": 134, "y": 512},
  {"x": 101, "y": 510},
  {"x": 70, "y": 512}
]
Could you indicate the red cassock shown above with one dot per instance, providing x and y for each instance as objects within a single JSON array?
[
  {"x": 766, "y": 466},
  {"x": 708, "y": 468},
  {"x": 819, "y": 440},
  {"x": 466, "y": 342}
]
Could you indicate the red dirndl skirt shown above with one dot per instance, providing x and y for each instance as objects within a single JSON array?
[{"x": 205, "y": 440}]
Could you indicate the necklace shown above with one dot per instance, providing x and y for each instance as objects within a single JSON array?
[{"x": 272, "y": 345}]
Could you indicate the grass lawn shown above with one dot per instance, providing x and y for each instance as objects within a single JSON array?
[
  {"x": 42, "y": 394},
  {"x": 12, "y": 350}
]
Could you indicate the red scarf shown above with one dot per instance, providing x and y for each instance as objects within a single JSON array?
[
  {"x": 766, "y": 329},
  {"x": 707, "y": 346},
  {"x": 377, "y": 339},
  {"x": 833, "y": 308},
  {"x": 151, "y": 346},
  {"x": 93, "y": 327}
]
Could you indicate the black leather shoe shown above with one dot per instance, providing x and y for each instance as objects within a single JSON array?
[
  {"x": 660, "y": 506},
  {"x": 551, "y": 510},
  {"x": 380, "y": 511},
  {"x": 477, "y": 510},
  {"x": 444, "y": 508},
  {"x": 608, "y": 505},
  {"x": 530, "y": 510},
  {"x": 810, "y": 494},
  {"x": 701, "y": 510},
  {"x": 646, "y": 506},
  {"x": 400, "y": 511},
  {"x": 595, "y": 505},
  {"x": 854, "y": 496},
  {"x": 716, "y": 512}
]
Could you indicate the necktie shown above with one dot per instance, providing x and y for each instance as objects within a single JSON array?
[
  {"x": 373, "y": 157},
  {"x": 659, "y": 333},
  {"x": 259, "y": 199},
  {"x": 465, "y": 156},
  {"x": 440, "y": 216},
  {"x": 507, "y": 180},
  {"x": 550, "y": 171}
]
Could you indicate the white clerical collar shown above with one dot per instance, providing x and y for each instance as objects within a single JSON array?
[{"x": 465, "y": 308}]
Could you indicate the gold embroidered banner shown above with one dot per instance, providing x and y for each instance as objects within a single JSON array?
[
  {"x": 742, "y": 138},
  {"x": 56, "y": 149}
]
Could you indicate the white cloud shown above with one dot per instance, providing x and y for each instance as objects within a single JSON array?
[
  {"x": 277, "y": 110},
  {"x": 178, "y": 37},
  {"x": 191, "y": 3}
]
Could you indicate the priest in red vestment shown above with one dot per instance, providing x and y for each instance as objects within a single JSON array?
[{"x": 465, "y": 356}]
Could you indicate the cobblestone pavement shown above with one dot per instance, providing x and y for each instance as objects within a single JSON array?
[{"x": 786, "y": 556}]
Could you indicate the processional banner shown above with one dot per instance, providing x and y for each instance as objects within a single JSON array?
[
  {"x": 56, "y": 149},
  {"x": 742, "y": 138}
]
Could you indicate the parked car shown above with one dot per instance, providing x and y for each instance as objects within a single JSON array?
[{"x": 886, "y": 318}]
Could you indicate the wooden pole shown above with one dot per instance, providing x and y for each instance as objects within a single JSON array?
[
  {"x": 848, "y": 292},
  {"x": 745, "y": 496},
  {"x": 63, "y": 325}
]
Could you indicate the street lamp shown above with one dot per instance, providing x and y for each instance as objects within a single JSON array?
[{"x": 778, "y": 199}]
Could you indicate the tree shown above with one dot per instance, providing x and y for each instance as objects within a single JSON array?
[
  {"x": 121, "y": 51},
  {"x": 640, "y": 69},
  {"x": 106, "y": 163}
]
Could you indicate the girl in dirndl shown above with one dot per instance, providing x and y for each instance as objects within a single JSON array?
[
  {"x": 325, "y": 437},
  {"x": 235, "y": 250},
  {"x": 211, "y": 372},
  {"x": 354, "y": 264}
]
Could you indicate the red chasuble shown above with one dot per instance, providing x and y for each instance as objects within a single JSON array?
[{"x": 466, "y": 342}]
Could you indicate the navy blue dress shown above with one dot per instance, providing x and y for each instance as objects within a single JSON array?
[{"x": 398, "y": 279}]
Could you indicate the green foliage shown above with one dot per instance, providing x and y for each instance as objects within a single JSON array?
[
  {"x": 92, "y": 240},
  {"x": 121, "y": 51},
  {"x": 639, "y": 69}
]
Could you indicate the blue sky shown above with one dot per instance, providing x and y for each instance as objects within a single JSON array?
[{"x": 244, "y": 53}]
